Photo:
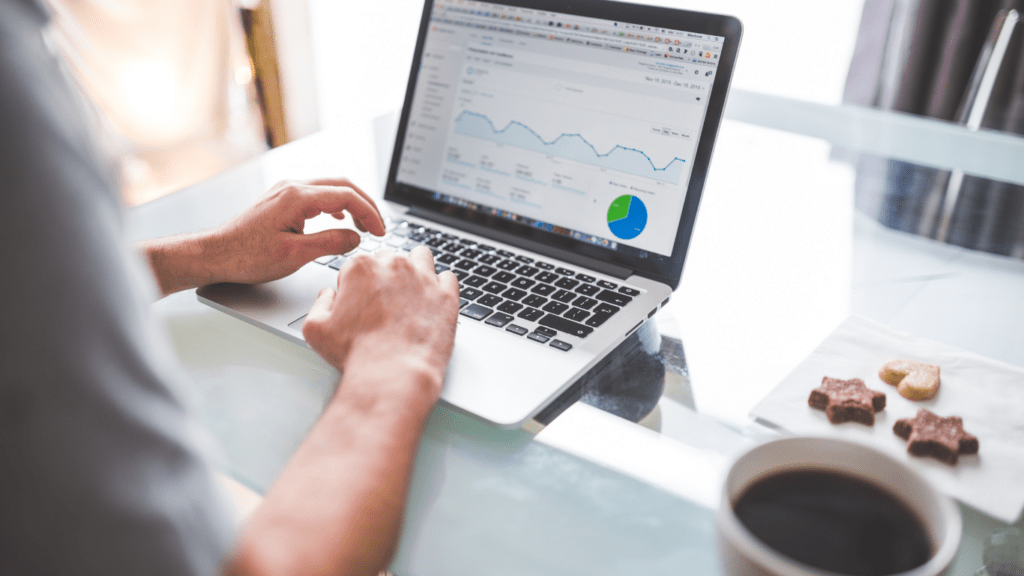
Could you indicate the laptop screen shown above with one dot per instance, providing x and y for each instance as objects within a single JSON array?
[{"x": 583, "y": 127}]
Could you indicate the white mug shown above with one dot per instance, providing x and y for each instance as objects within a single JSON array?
[{"x": 742, "y": 553}]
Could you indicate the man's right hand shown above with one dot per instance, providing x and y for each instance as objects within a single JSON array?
[
  {"x": 389, "y": 311},
  {"x": 337, "y": 507}
]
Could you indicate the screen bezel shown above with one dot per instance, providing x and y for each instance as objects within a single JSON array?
[{"x": 666, "y": 269}]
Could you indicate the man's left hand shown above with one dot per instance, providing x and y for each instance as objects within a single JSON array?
[{"x": 266, "y": 241}]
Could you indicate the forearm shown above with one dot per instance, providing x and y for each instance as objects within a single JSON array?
[
  {"x": 180, "y": 262},
  {"x": 337, "y": 507}
]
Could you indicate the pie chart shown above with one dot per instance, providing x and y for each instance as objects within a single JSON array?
[{"x": 627, "y": 217}]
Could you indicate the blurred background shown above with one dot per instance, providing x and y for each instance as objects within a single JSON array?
[{"x": 184, "y": 89}]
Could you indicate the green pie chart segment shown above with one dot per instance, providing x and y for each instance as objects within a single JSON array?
[{"x": 627, "y": 217}]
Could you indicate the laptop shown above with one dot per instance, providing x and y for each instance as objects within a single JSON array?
[{"x": 552, "y": 154}]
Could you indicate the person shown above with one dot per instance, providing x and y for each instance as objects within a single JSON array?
[{"x": 102, "y": 469}]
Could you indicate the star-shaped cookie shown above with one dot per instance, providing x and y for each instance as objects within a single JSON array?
[
  {"x": 847, "y": 400},
  {"x": 929, "y": 434}
]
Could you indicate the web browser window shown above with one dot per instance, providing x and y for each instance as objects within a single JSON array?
[{"x": 579, "y": 126}]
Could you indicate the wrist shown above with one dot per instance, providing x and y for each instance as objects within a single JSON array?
[{"x": 378, "y": 376}]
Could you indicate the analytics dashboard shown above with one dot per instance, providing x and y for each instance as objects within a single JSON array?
[{"x": 581, "y": 126}]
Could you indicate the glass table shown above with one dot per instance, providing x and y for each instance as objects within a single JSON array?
[{"x": 779, "y": 257}]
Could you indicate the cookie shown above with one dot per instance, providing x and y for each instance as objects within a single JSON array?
[
  {"x": 932, "y": 435},
  {"x": 913, "y": 380},
  {"x": 847, "y": 400}
]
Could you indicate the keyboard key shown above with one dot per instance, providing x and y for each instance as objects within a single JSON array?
[
  {"x": 565, "y": 272},
  {"x": 563, "y": 296},
  {"x": 465, "y": 264},
  {"x": 545, "y": 331},
  {"x": 430, "y": 231},
  {"x": 524, "y": 259},
  {"x": 484, "y": 271},
  {"x": 449, "y": 236},
  {"x": 470, "y": 293},
  {"x": 516, "y": 329},
  {"x": 498, "y": 319},
  {"x": 504, "y": 277},
  {"x": 605, "y": 308},
  {"x": 485, "y": 248},
  {"x": 538, "y": 337},
  {"x": 495, "y": 287},
  {"x": 474, "y": 281},
  {"x": 508, "y": 265},
  {"x": 522, "y": 283},
  {"x": 543, "y": 289},
  {"x": 567, "y": 283},
  {"x": 448, "y": 259},
  {"x": 526, "y": 271},
  {"x": 438, "y": 268},
  {"x": 597, "y": 319},
  {"x": 566, "y": 325},
  {"x": 325, "y": 259},
  {"x": 408, "y": 246},
  {"x": 488, "y": 259},
  {"x": 510, "y": 307},
  {"x": 513, "y": 293},
  {"x": 563, "y": 346},
  {"x": 607, "y": 285},
  {"x": 614, "y": 298},
  {"x": 530, "y": 314},
  {"x": 584, "y": 278},
  {"x": 548, "y": 277},
  {"x": 555, "y": 307},
  {"x": 435, "y": 242},
  {"x": 471, "y": 253},
  {"x": 587, "y": 289},
  {"x": 544, "y": 266},
  {"x": 575, "y": 314},
  {"x": 435, "y": 252},
  {"x": 584, "y": 302},
  {"x": 453, "y": 247},
  {"x": 476, "y": 312},
  {"x": 337, "y": 262},
  {"x": 460, "y": 274},
  {"x": 629, "y": 291},
  {"x": 489, "y": 300},
  {"x": 463, "y": 302},
  {"x": 534, "y": 300},
  {"x": 504, "y": 253}
]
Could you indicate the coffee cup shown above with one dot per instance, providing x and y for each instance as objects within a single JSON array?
[{"x": 809, "y": 506}]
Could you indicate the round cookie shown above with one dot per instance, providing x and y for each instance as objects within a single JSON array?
[{"x": 913, "y": 380}]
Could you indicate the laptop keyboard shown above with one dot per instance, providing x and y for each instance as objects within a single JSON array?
[{"x": 523, "y": 296}]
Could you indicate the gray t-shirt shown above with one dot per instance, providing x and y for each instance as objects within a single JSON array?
[{"x": 100, "y": 465}]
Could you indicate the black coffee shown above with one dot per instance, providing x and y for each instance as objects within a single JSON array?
[{"x": 834, "y": 522}]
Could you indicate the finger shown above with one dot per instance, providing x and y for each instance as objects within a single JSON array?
[
  {"x": 321, "y": 307},
  {"x": 422, "y": 259},
  {"x": 334, "y": 241},
  {"x": 448, "y": 281},
  {"x": 331, "y": 199},
  {"x": 343, "y": 182}
]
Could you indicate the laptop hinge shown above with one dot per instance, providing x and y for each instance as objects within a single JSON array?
[{"x": 616, "y": 271}]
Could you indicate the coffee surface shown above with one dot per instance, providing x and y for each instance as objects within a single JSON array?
[{"x": 834, "y": 522}]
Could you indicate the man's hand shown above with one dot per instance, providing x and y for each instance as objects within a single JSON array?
[
  {"x": 337, "y": 507},
  {"x": 266, "y": 241},
  {"x": 387, "y": 307}
]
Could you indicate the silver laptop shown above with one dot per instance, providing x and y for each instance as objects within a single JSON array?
[{"x": 552, "y": 154}]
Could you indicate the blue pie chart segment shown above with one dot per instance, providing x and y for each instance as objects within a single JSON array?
[{"x": 629, "y": 223}]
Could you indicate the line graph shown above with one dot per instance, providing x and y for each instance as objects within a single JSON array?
[{"x": 569, "y": 146}]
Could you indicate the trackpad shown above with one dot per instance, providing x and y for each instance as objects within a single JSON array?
[{"x": 297, "y": 325}]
